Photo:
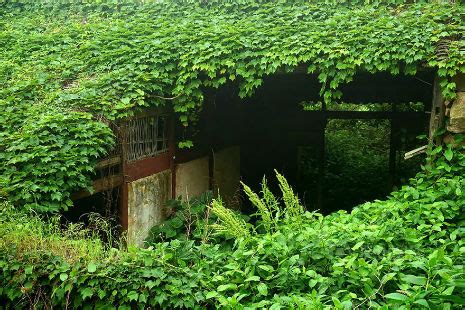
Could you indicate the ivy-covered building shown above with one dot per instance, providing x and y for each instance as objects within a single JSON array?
[{"x": 180, "y": 97}]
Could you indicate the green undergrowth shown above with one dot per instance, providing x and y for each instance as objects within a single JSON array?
[
  {"x": 71, "y": 68},
  {"x": 407, "y": 252}
]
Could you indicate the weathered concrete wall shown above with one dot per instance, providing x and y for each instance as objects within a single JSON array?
[
  {"x": 192, "y": 178},
  {"x": 456, "y": 112},
  {"x": 146, "y": 201},
  {"x": 226, "y": 175}
]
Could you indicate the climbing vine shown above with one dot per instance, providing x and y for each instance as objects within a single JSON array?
[{"x": 88, "y": 61}]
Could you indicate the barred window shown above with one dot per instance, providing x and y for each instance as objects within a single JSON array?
[{"x": 146, "y": 137}]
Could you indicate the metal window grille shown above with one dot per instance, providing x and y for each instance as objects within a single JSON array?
[{"x": 146, "y": 137}]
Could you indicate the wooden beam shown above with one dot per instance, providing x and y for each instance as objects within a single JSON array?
[
  {"x": 374, "y": 114},
  {"x": 108, "y": 162},
  {"x": 415, "y": 152},
  {"x": 322, "y": 159},
  {"x": 100, "y": 185}
]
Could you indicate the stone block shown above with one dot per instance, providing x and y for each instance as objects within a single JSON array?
[{"x": 457, "y": 114}]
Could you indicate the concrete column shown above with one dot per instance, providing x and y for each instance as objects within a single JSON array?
[
  {"x": 456, "y": 110},
  {"x": 147, "y": 199}
]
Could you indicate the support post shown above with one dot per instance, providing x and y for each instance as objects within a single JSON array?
[
  {"x": 437, "y": 110},
  {"x": 322, "y": 159},
  {"x": 124, "y": 215},
  {"x": 393, "y": 136}
]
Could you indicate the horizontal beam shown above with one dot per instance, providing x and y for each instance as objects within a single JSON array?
[
  {"x": 100, "y": 185},
  {"x": 138, "y": 169},
  {"x": 108, "y": 162},
  {"x": 369, "y": 114}
]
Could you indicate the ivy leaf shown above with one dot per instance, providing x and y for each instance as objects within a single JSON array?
[
  {"x": 422, "y": 302},
  {"x": 414, "y": 279},
  {"x": 262, "y": 289},
  {"x": 448, "y": 154},
  {"x": 86, "y": 293},
  {"x": 211, "y": 294},
  {"x": 91, "y": 267},
  {"x": 396, "y": 296},
  {"x": 226, "y": 287},
  {"x": 358, "y": 245},
  {"x": 133, "y": 295},
  {"x": 63, "y": 277}
]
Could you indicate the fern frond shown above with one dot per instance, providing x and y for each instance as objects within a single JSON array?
[
  {"x": 293, "y": 207},
  {"x": 262, "y": 209},
  {"x": 230, "y": 224}
]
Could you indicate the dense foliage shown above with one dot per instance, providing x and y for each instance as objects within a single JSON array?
[
  {"x": 405, "y": 252},
  {"x": 88, "y": 63}
]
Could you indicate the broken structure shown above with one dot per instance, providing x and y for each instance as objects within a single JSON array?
[{"x": 239, "y": 139}]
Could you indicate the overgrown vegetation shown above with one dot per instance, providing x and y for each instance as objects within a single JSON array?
[
  {"x": 72, "y": 68},
  {"x": 405, "y": 252},
  {"x": 89, "y": 63},
  {"x": 189, "y": 220}
]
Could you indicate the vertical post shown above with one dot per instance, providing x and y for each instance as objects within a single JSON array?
[
  {"x": 322, "y": 158},
  {"x": 456, "y": 110},
  {"x": 124, "y": 187},
  {"x": 172, "y": 152},
  {"x": 392, "y": 150},
  {"x": 211, "y": 169},
  {"x": 437, "y": 110}
]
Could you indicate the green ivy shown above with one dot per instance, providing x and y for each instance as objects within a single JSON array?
[
  {"x": 110, "y": 58},
  {"x": 49, "y": 158}
]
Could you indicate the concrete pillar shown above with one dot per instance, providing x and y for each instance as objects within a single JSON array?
[
  {"x": 456, "y": 110},
  {"x": 147, "y": 199}
]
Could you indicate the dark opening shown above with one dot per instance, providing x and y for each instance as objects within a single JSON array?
[{"x": 317, "y": 150}]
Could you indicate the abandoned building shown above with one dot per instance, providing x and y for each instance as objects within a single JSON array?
[{"x": 243, "y": 139}]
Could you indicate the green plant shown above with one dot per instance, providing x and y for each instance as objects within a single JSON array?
[
  {"x": 229, "y": 223},
  {"x": 51, "y": 155},
  {"x": 404, "y": 252},
  {"x": 189, "y": 220},
  {"x": 89, "y": 63}
]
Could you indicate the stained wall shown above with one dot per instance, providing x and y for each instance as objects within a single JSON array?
[
  {"x": 147, "y": 199},
  {"x": 192, "y": 178}
]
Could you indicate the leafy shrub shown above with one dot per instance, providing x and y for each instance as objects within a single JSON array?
[
  {"x": 188, "y": 220},
  {"x": 202, "y": 219},
  {"x": 405, "y": 252}
]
